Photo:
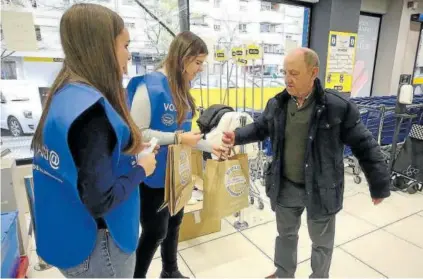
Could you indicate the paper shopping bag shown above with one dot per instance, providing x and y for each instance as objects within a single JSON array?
[
  {"x": 179, "y": 181},
  {"x": 197, "y": 163},
  {"x": 227, "y": 186},
  {"x": 168, "y": 181}
]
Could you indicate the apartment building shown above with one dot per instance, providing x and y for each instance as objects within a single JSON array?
[{"x": 276, "y": 27}]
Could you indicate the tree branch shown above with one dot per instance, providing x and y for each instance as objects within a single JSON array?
[
  {"x": 155, "y": 18},
  {"x": 4, "y": 57}
]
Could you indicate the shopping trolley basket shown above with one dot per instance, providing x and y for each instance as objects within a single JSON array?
[
  {"x": 349, "y": 160},
  {"x": 407, "y": 170}
]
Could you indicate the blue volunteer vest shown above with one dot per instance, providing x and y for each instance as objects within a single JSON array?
[
  {"x": 65, "y": 231},
  {"x": 163, "y": 117}
]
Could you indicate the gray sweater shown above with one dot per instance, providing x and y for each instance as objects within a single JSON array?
[{"x": 141, "y": 113}]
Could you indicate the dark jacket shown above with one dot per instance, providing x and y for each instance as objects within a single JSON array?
[
  {"x": 335, "y": 122},
  {"x": 210, "y": 118}
]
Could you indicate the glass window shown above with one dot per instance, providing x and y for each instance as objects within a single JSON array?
[
  {"x": 266, "y": 27},
  {"x": 8, "y": 69},
  {"x": 266, "y": 6},
  {"x": 38, "y": 33},
  {"x": 199, "y": 20},
  {"x": 130, "y": 25},
  {"x": 34, "y": 72},
  {"x": 242, "y": 28},
  {"x": 128, "y": 2},
  {"x": 277, "y": 27}
]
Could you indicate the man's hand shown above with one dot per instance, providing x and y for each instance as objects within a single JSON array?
[
  {"x": 228, "y": 138},
  {"x": 377, "y": 201}
]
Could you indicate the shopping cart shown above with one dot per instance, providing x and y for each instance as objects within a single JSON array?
[
  {"x": 378, "y": 114},
  {"x": 349, "y": 160},
  {"x": 407, "y": 170}
]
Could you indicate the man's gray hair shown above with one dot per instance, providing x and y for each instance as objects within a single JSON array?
[{"x": 310, "y": 57}]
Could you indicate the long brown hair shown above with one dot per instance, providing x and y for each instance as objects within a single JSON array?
[
  {"x": 185, "y": 47},
  {"x": 88, "y": 34}
]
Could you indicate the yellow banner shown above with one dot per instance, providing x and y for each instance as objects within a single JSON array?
[
  {"x": 220, "y": 55},
  {"x": 238, "y": 54},
  {"x": 418, "y": 80},
  {"x": 42, "y": 59},
  {"x": 340, "y": 61},
  {"x": 236, "y": 51},
  {"x": 253, "y": 52}
]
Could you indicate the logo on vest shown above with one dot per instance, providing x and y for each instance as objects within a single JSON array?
[
  {"x": 168, "y": 119},
  {"x": 51, "y": 156},
  {"x": 169, "y": 107},
  {"x": 235, "y": 182},
  {"x": 54, "y": 160}
]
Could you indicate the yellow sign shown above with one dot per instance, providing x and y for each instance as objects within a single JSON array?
[
  {"x": 238, "y": 56},
  {"x": 253, "y": 52},
  {"x": 42, "y": 59},
  {"x": 340, "y": 61},
  {"x": 418, "y": 80},
  {"x": 339, "y": 82},
  {"x": 236, "y": 51},
  {"x": 220, "y": 55}
]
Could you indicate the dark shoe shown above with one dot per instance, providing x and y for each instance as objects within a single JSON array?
[{"x": 174, "y": 274}]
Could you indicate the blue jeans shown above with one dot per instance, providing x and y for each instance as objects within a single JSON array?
[{"x": 106, "y": 261}]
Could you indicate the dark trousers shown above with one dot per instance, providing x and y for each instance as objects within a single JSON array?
[
  {"x": 158, "y": 228},
  {"x": 289, "y": 208}
]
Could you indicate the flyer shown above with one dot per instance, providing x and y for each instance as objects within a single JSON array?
[{"x": 340, "y": 61}]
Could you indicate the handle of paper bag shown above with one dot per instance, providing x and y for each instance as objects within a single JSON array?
[{"x": 221, "y": 159}]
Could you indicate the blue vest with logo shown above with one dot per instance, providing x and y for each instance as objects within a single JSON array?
[
  {"x": 163, "y": 117},
  {"x": 65, "y": 231}
]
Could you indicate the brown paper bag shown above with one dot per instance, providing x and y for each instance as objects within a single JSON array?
[
  {"x": 227, "y": 187},
  {"x": 197, "y": 163},
  {"x": 167, "y": 182},
  {"x": 179, "y": 182}
]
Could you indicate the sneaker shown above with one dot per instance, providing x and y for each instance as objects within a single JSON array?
[{"x": 174, "y": 274}]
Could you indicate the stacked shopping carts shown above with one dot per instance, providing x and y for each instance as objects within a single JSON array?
[{"x": 378, "y": 114}]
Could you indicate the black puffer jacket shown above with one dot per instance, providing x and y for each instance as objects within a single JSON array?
[{"x": 336, "y": 122}]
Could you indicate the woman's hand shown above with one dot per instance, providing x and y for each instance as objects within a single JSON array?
[
  {"x": 148, "y": 163},
  {"x": 147, "y": 145},
  {"x": 221, "y": 151},
  {"x": 156, "y": 149},
  {"x": 190, "y": 138}
]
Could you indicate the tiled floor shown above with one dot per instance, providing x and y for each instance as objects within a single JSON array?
[{"x": 371, "y": 242}]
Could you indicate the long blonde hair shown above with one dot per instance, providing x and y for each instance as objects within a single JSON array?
[
  {"x": 88, "y": 34},
  {"x": 184, "y": 48}
]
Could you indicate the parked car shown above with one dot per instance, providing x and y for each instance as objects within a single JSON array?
[{"x": 17, "y": 114}]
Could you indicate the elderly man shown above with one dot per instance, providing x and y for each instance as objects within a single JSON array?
[{"x": 308, "y": 127}]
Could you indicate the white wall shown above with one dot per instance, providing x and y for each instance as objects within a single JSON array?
[
  {"x": 41, "y": 74},
  {"x": 411, "y": 48},
  {"x": 375, "y": 6}
]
